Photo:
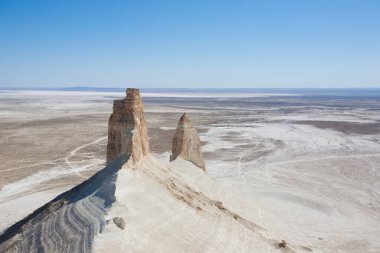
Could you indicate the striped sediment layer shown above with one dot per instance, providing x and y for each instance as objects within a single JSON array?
[{"x": 69, "y": 222}]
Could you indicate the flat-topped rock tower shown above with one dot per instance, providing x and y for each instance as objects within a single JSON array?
[
  {"x": 127, "y": 129},
  {"x": 186, "y": 143}
]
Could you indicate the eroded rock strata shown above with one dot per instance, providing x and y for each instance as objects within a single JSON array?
[
  {"x": 69, "y": 222},
  {"x": 186, "y": 143},
  {"x": 127, "y": 129}
]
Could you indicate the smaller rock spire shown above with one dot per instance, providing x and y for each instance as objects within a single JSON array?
[
  {"x": 186, "y": 143},
  {"x": 184, "y": 120}
]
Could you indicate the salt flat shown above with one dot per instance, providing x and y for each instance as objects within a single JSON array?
[{"x": 306, "y": 167}]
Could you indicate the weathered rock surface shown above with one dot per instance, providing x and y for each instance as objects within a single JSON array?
[
  {"x": 127, "y": 129},
  {"x": 186, "y": 143},
  {"x": 69, "y": 222},
  {"x": 119, "y": 222}
]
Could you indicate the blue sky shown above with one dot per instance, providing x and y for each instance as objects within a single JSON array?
[{"x": 190, "y": 43}]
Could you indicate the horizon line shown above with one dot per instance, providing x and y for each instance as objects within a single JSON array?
[{"x": 86, "y": 88}]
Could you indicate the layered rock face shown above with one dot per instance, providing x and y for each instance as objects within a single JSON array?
[
  {"x": 127, "y": 129},
  {"x": 69, "y": 222},
  {"x": 186, "y": 143}
]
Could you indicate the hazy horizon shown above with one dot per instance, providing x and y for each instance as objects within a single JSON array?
[{"x": 122, "y": 88}]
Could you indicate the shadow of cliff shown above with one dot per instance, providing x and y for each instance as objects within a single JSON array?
[{"x": 69, "y": 221}]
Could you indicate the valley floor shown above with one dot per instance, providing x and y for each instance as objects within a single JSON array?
[{"x": 296, "y": 168}]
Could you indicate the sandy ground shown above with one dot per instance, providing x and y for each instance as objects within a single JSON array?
[
  {"x": 308, "y": 166},
  {"x": 180, "y": 209}
]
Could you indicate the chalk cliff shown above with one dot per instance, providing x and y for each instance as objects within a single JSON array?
[
  {"x": 127, "y": 129},
  {"x": 186, "y": 143},
  {"x": 70, "y": 221},
  {"x": 153, "y": 208}
]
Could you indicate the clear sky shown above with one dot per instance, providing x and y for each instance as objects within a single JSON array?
[{"x": 190, "y": 43}]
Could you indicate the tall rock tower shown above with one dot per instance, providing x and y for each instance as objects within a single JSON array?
[
  {"x": 127, "y": 129},
  {"x": 186, "y": 143}
]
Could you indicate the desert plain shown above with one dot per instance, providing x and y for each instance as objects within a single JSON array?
[{"x": 304, "y": 167}]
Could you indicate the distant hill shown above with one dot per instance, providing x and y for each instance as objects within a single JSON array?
[{"x": 88, "y": 88}]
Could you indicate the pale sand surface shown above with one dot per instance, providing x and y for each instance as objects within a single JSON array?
[
  {"x": 287, "y": 164},
  {"x": 173, "y": 210}
]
